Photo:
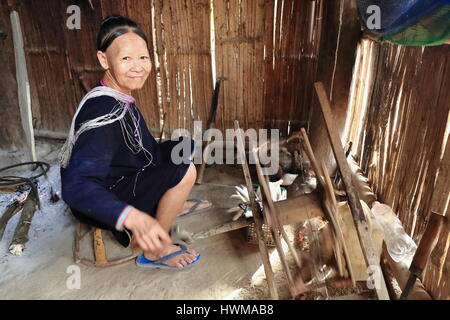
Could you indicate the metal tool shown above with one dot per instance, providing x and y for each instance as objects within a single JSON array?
[
  {"x": 427, "y": 243},
  {"x": 190, "y": 237},
  {"x": 210, "y": 124}
]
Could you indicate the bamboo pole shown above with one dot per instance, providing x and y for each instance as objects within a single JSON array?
[
  {"x": 23, "y": 83},
  {"x": 278, "y": 230},
  {"x": 264, "y": 252}
]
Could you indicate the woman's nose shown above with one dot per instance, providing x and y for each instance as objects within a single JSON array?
[{"x": 137, "y": 67}]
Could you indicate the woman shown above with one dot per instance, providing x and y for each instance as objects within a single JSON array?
[{"x": 114, "y": 174}]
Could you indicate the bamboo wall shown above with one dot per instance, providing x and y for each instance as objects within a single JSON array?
[
  {"x": 261, "y": 46},
  {"x": 400, "y": 127},
  {"x": 12, "y": 136}
]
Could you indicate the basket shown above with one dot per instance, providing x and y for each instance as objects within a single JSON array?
[{"x": 252, "y": 236}]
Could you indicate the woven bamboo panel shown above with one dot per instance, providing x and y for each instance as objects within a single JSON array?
[
  {"x": 239, "y": 32},
  {"x": 258, "y": 46},
  {"x": 62, "y": 63},
  {"x": 184, "y": 56},
  {"x": 401, "y": 138},
  {"x": 12, "y": 136}
]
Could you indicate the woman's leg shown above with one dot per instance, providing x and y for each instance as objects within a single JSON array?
[
  {"x": 173, "y": 200},
  {"x": 169, "y": 206}
]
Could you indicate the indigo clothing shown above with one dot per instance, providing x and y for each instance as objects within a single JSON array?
[{"x": 104, "y": 177}]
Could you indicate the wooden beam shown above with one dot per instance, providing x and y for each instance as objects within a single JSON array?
[
  {"x": 329, "y": 191},
  {"x": 309, "y": 151},
  {"x": 264, "y": 252},
  {"x": 20, "y": 237},
  {"x": 276, "y": 228},
  {"x": 99, "y": 247},
  {"x": 355, "y": 204},
  {"x": 23, "y": 83}
]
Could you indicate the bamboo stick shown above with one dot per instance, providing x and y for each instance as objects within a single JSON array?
[
  {"x": 264, "y": 252},
  {"x": 276, "y": 230}
]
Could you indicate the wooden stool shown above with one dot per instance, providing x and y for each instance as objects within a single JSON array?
[{"x": 101, "y": 259}]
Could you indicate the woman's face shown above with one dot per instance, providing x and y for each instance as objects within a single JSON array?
[{"x": 127, "y": 63}]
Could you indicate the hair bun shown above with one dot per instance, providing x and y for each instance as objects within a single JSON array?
[
  {"x": 114, "y": 26},
  {"x": 113, "y": 17}
]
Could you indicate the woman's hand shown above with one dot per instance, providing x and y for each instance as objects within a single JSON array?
[{"x": 149, "y": 234}]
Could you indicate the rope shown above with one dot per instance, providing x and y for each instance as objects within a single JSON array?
[{"x": 31, "y": 183}]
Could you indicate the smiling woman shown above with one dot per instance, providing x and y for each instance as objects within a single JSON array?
[
  {"x": 114, "y": 174},
  {"x": 127, "y": 59}
]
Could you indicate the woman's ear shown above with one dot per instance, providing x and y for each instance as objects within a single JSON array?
[{"x": 102, "y": 59}]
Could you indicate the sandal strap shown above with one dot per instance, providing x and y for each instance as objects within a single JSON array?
[
  {"x": 193, "y": 208},
  {"x": 173, "y": 254}
]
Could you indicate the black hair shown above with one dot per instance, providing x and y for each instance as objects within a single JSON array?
[{"x": 115, "y": 26}]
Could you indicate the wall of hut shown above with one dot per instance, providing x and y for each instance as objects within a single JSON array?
[
  {"x": 260, "y": 46},
  {"x": 399, "y": 125},
  {"x": 11, "y": 134}
]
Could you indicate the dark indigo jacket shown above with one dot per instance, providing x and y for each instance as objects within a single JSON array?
[{"x": 100, "y": 158}]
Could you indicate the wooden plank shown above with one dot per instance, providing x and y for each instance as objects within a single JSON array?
[
  {"x": 354, "y": 201},
  {"x": 332, "y": 207},
  {"x": 23, "y": 84},
  {"x": 99, "y": 247},
  {"x": 294, "y": 210}
]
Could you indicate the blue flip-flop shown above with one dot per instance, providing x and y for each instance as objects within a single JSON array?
[
  {"x": 143, "y": 262},
  {"x": 193, "y": 210}
]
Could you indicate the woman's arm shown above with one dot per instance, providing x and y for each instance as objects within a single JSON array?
[{"x": 89, "y": 165}]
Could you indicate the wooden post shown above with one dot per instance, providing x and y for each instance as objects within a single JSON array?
[
  {"x": 10, "y": 211},
  {"x": 337, "y": 228},
  {"x": 276, "y": 228},
  {"x": 355, "y": 204},
  {"x": 99, "y": 246},
  {"x": 20, "y": 237},
  {"x": 23, "y": 83},
  {"x": 309, "y": 152},
  {"x": 264, "y": 252}
]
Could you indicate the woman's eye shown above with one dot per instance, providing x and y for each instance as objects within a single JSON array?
[
  {"x": 145, "y": 57},
  {"x": 126, "y": 58}
]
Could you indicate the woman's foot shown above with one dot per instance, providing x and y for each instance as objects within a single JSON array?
[
  {"x": 178, "y": 261},
  {"x": 194, "y": 205}
]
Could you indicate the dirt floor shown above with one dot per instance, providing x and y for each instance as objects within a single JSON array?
[{"x": 230, "y": 267}]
